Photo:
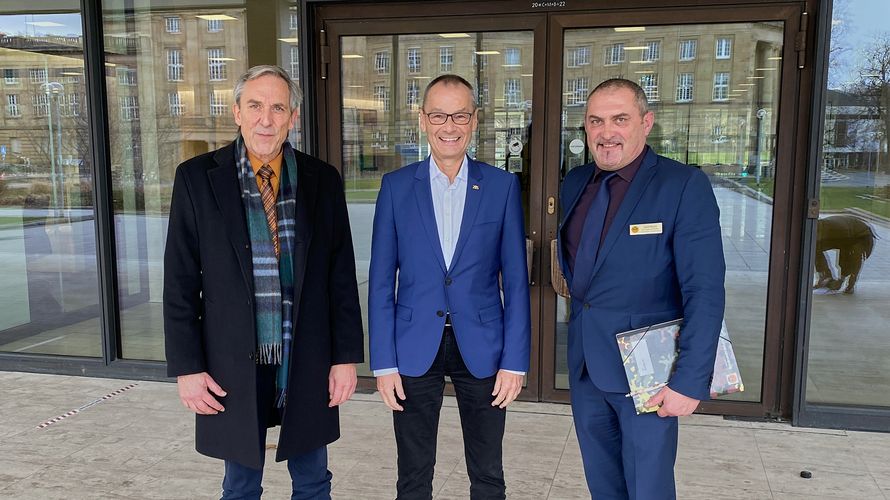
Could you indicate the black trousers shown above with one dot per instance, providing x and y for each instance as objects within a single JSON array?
[
  {"x": 482, "y": 426},
  {"x": 269, "y": 414}
]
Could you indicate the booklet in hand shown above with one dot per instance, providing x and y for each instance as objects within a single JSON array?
[{"x": 649, "y": 356}]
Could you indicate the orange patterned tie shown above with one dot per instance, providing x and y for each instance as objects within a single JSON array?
[{"x": 265, "y": 174}]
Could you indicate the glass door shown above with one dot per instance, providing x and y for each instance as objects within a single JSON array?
[
  {"x": 376, "y": 82},
  {"x": 715, "y": 89},
  {"x": 721, "y": 83},
  {"x": 845, "y": 352}
]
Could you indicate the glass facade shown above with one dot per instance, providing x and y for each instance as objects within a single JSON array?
[
  {"x": 168, "y": 68},
  {"x": 175, "y": 103},
  {"x": 169, "y": 74},
  {"x": 848, "y": 348},
  {"x": 50, "y": 292}
]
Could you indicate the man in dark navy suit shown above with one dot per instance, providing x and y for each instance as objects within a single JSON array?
[{"x": 640, "y": 245}]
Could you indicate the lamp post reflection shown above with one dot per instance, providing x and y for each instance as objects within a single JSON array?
[
  {"x": 761, "y": 115},
  {"x": 874, "y": 113},
  {"x": 688, "y": 124},
  {"x": 53, "y": 92}
]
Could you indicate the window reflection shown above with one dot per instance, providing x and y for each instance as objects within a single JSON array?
[
  {"x": 169, "y": 77},
  {"x": 851, "y": 289},
  {"x": 47, "y": 231}
]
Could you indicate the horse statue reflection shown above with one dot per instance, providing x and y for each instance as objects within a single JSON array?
[{"x": 854, "y": 240}]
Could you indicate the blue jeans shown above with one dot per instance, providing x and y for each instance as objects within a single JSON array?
[{"x": 309, "y": 474}]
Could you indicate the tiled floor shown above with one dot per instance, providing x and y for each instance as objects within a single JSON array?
[{"x": 139, "y": 445}]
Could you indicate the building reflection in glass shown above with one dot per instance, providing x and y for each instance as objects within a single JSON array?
[
  {"x": 848, "y": 348},
  {"x": 47, "y": 231}
]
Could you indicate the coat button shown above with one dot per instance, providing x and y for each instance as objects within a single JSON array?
[
  {"x": 586, "y": 305},
  {"x": 251, "y": 356},
  {"x": 440, "y": 313},
  {"x": 448, "y": 281}
]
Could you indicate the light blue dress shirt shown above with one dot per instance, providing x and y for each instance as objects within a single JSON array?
[{"x": 449, "y": 199}]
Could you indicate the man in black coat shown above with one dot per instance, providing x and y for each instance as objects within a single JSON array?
[{"x": 262, "y": 322}]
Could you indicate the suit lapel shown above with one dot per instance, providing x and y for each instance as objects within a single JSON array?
[
  {"x": 307, "y": 187},
  {"x": 471, "y": 208},
  {"x": 631, "y": 199},
  {"x": 425, "y": 207},
  {"x": 227, "y": 194}
]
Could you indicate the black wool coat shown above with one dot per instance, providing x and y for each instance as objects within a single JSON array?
[{"x": 209, "y": 320}]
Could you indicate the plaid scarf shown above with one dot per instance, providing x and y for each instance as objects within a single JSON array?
[{"x": 273, "y": 278}]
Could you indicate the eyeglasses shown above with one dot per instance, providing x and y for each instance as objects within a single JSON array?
[{"x": 437, "y": 118}]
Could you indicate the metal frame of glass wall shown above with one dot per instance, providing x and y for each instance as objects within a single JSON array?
[
  {"x": 110, "y": 363},
  {"x": 806, "y": 413}
]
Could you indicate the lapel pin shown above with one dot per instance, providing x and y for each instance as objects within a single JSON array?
[{"x": 476, "y": 187}]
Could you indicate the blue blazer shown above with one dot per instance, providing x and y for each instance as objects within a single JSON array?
[
  {"x": 643, "y": 279},
  {"x": 410, "y": 288}
]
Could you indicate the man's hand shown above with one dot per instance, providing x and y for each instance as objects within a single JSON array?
[
  {"x": 341, "y": 383},
  {"x": 673, "y": 404},
  {"x": 194, "y": 393},
  {"x": 506, "y": 387},
  {"x": 390, "y": 387}
]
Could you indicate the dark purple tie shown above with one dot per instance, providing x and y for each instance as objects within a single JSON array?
[{"x": 591, "y": 234}]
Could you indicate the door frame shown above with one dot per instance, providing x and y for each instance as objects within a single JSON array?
[
  {"x": 779, "y": 320},
  {"x": 329, "y": 150},
  {"x": 548, "y": 23}
]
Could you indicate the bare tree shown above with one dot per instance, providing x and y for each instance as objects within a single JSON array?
[
  {"x": 837, "y": 49},
  {"x": 123, "y": 136},
  {"x": 874, "y": 74}
]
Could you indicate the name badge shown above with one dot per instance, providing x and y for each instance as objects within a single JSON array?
[{"x": 649, "y": 228}]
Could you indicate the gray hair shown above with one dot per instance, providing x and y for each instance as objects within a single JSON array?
[
  {"x": 450, "y": 79},
  {"x": 267, "y": 69},
  {"x": 622, "y": 83}
]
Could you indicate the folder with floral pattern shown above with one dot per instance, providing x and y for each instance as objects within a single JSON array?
[{"x": 649, "y": 355}]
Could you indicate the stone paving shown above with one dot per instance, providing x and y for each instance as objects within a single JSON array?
[{"x": 138, "y": 444}]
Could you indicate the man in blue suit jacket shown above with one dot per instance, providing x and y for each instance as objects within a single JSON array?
[
  {"x": 445, "y": 228},
  {"x": 640, "y": 244}
]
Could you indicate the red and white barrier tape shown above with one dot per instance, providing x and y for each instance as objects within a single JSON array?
[{"x": 84, "y": 407}]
